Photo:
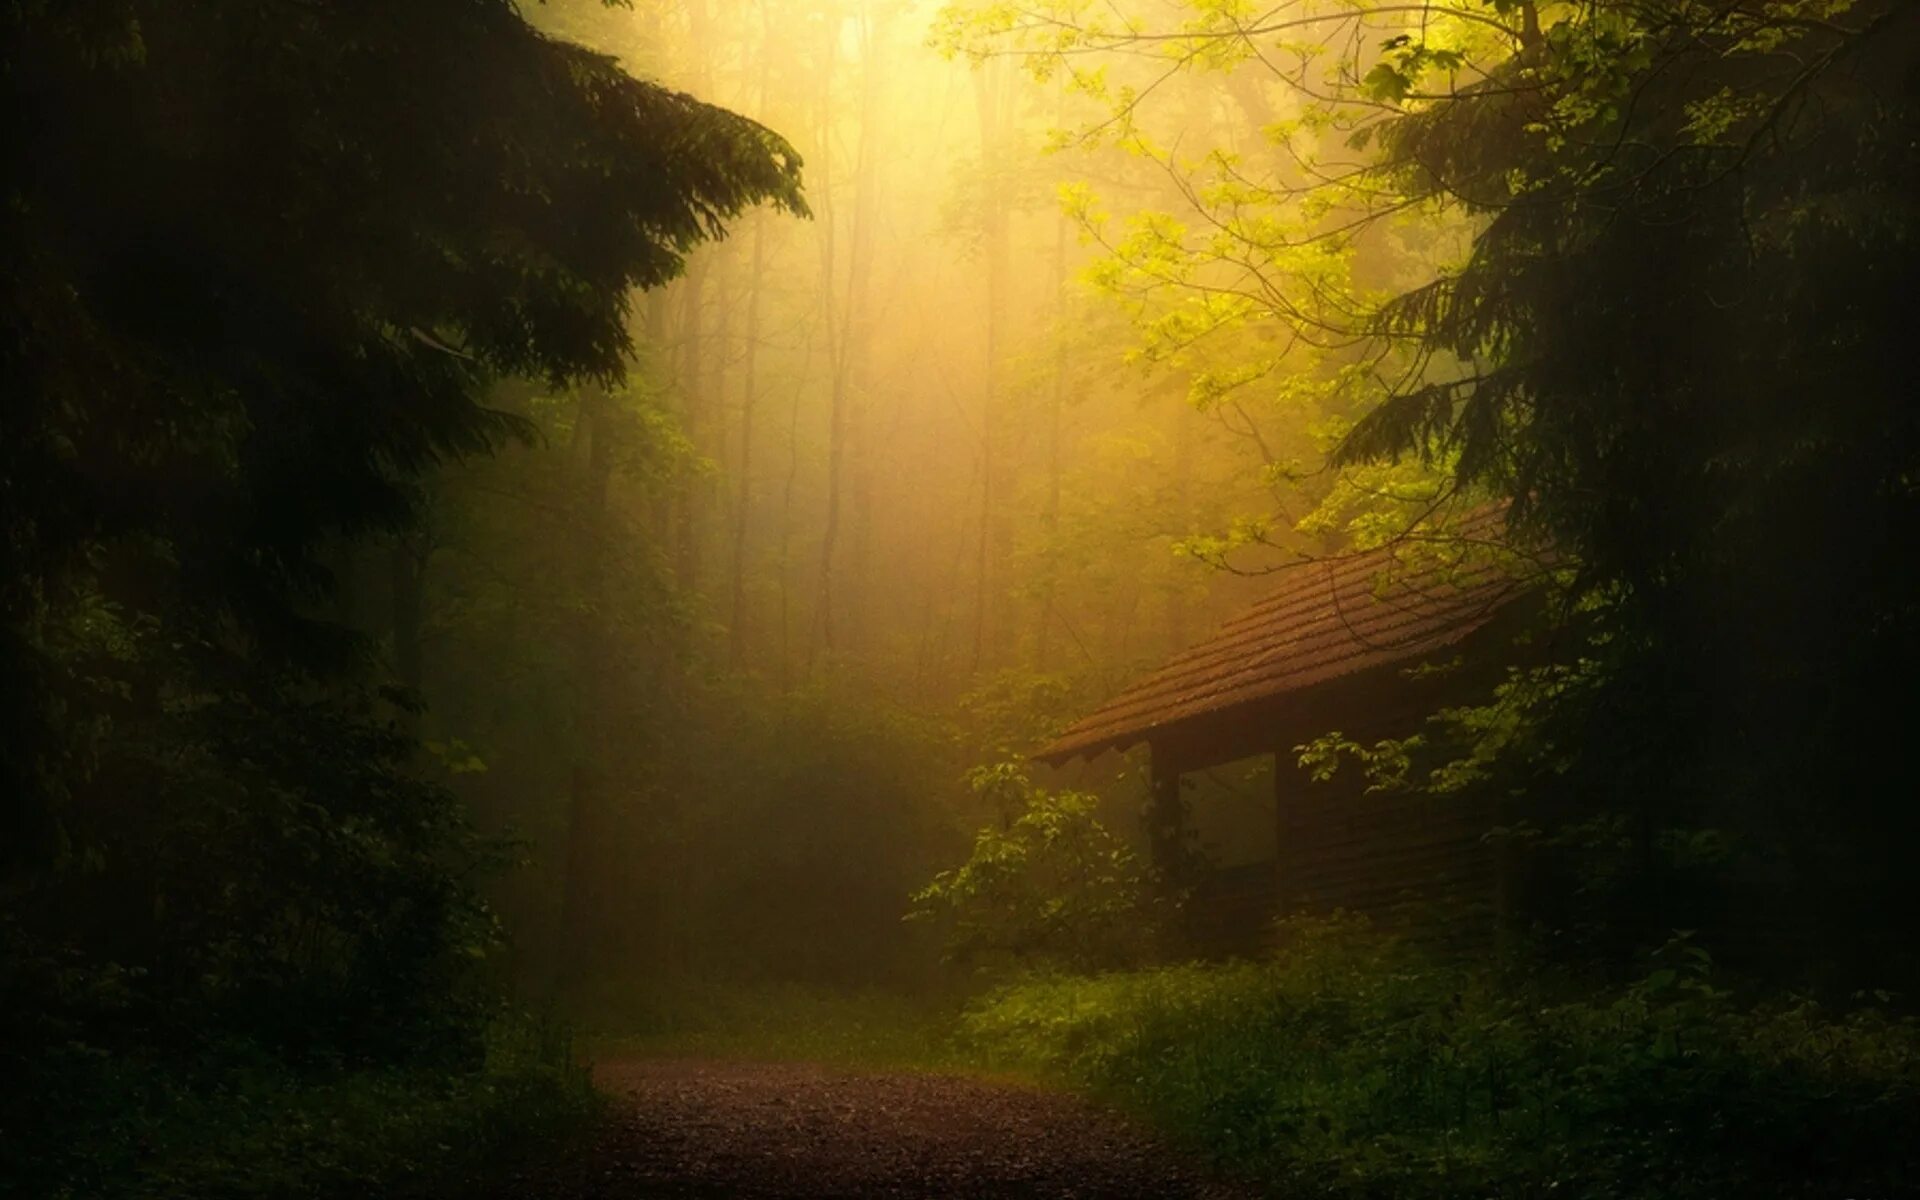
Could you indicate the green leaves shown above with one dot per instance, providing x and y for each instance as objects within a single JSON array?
[
  {"x": 1405, "y": 61},
  {"x": 1387, "y": 82},
  {"x": 1352, "y": 1064},
  {"x": 1048, "y": 885},
  {"x": 272, "y": 258},
  {"x": 456, "y": 757}
]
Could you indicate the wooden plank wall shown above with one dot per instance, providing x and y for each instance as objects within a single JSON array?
[
  {"x": 1417, "y": 864},
  {"x": 1402, "y": 860}
]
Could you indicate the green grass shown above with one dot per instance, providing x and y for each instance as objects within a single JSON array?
[
  {"x": 259, "y": 1130},
  {"x": 1358, "y": 1068}
]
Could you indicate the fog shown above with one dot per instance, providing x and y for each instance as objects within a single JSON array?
[
  {"x": 988, "y": 434},
  {"x": 918, "y": 412},
  {"x": 1337, "y": 576}
]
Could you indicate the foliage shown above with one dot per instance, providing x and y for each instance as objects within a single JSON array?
[
  {"x": 812, "y": 815},
  {"x": 286, "y": 879},
  {"x": 1013, "y": 711},
  {"x": 1048, "y": 886},
  {"x": 1635, "y": 268},
  {"x": 1355, "y": 1066},
  {"x": 264, "y": 263},
  {"x": 239, "y": 1125},
  {"x": 1733, "y": 519}
]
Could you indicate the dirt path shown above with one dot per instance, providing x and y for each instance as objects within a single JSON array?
[{"x": 755, "y": 1131}]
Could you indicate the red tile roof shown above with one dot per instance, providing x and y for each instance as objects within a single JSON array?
[{"x": 1330, "y": 618}]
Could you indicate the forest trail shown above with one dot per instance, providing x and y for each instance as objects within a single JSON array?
[{"x": 692, "y": 1128}]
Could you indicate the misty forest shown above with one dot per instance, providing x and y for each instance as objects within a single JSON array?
[{"x": 959, "y": 598}]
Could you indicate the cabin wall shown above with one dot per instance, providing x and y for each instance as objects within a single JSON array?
[
  {"x": 1401, "y": 859},
  {"x": 1230, "y": 817},
  {"x": 1418, "y": 863},
  {"x": 1408, "y": 860}
]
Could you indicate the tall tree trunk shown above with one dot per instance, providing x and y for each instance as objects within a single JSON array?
[
  {"x": 786, "y": 537},
  {"x": 581, "y": 916},
  {"x": 743, "y": 492},
  {"x": 1056, "y": 402},
  {"x": 846, "y": 321},
  {"x": 661, "y": 495},
  {"x": 992, "y": 99},
  {"x": 1183, "y": 422},
  {"x": 743, "y": 489},
  {"x": 711, "y": 441},
  {"x": 828, "y": 220},
  {"x": 862, "y": 427},
  {"x": 686, "y": 557}
]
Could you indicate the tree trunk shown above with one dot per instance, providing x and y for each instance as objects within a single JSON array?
[
  {"x": 827, "y": 220},
  {"x": 992, "y": 98},
  {"x": 686, "y": 557},
  {"x": 743, "y": 488},
  {"x": 862, "y": 426},
  {"x": 846, "y": 321},
  {"x": 1056, "y": 402},
  {"x": 1183, "y": 516},
  {"x": 749, "y": 383},
  {"x": 581, "y": 903}
]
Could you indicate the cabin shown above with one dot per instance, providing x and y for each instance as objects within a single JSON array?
[{"x": 1366, "y": 644}]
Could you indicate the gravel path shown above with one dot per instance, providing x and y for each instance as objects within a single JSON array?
[{"x": 756, "y": 1131}]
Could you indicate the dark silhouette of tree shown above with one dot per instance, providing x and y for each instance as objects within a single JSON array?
[{"x": 263, "y": 262}]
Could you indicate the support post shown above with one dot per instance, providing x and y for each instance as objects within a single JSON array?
[{"x": 1166, "y": 820}]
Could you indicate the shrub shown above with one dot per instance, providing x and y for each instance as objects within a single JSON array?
[
  {"x": 244, "y": 1125},
  {"x": 1358, "y": 1066},
  {"x": 1049, "y": 886}
]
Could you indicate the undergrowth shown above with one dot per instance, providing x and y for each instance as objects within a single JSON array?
[
  {"x": 238, "y": 1124},
  {"x": 1356, "y": 1066}
]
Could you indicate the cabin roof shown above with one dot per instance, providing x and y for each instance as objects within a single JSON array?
[{"x": 1328, "y": 619}]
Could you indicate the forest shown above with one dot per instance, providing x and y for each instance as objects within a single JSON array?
[{"x": 959, "y": 598}]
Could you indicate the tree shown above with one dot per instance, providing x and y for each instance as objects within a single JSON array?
[
  {"x": 1048, "y": 887},
  {"x": 1679, "y": 329},
  {"x": 1633, "y": 268},
  {"x": 264, "y": 262}
]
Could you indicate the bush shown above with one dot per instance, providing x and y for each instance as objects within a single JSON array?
[
  {"x": 245, "y": 1126},
  {"x": 1357, "y": 1066},
  {"x": 1049, "y": 886}
]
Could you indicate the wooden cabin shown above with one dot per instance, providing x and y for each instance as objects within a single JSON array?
[{"x": 1366, "y": 644}]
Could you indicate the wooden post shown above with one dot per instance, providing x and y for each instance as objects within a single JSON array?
[{"x": 1166, "y": 819}]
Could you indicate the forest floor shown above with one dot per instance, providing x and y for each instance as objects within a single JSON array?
[{"x": 708, "y": 1128}]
